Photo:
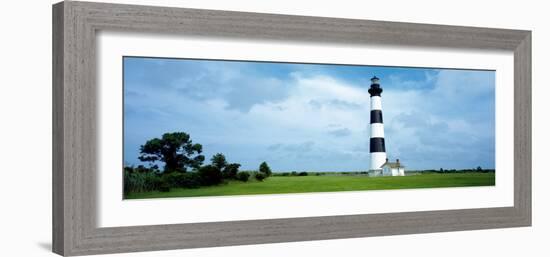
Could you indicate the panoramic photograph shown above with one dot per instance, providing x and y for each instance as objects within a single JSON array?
[{"x": 197, "y": 127}]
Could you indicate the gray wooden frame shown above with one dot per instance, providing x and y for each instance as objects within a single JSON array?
[{"x": 75, "y": 25}]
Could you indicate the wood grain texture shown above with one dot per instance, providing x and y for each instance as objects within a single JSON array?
[
  {"x": 522, "y": 129},
  {"x": 74, "y": 124},
  {"x": 58, "y": 231}
]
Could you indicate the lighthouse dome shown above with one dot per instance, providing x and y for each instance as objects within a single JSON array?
[{"x": 375, "y": 89}]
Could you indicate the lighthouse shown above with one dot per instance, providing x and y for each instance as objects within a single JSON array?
[{"x": 377, "y": 144}]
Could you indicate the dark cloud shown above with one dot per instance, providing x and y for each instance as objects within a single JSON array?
[
  {"x": 468, "y": 95},
  {"x": 306, "y": 146},
  {"x": 235, "y": 83},
  {"x": 274, "y": 147},
  {"x": 411, "y": 120},
  {"x": 314, "y": 104},
  {"x": 300, "y": 147},
  {"x": 342, "y": 132},
  {"x": 435, "y": 145},
  {"x": 334, "y": 103},
  {"x": 132, "y": 93},
  {"x": 240, "y": 92},
  {"x": 435, "y": 156},
  {"x": 344, "y": 104},
  {"x": 243, "y": 96}
]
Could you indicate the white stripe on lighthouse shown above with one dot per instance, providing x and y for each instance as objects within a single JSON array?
[
  {"x": 377, "y": 130},
  {"x": 377, "y": 159},
  {"x": 375, "y": 103}
]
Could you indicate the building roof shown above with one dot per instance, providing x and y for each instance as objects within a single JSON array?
[{"x": 396, "y": 164}]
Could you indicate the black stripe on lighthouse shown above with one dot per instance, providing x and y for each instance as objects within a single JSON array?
[
  {"x": 377, "y": 144},
  {"x": 376, "y": 116}
]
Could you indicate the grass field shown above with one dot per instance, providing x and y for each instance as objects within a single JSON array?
[{"x": 327, "y": 183}]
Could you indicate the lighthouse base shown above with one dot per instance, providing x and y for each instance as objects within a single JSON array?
[
  {"x": 387, "y": 172},
  {"x": 376, "y": 173}
]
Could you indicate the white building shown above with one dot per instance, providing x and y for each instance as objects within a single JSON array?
[{"x": 392, "y": 168}]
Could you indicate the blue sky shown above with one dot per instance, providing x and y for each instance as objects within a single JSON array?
[{"x": 308, "y": 117}]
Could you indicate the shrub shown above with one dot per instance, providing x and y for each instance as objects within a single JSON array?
[
  {"x": 190, "y": 180},
  {"x": 210, "y": 175},
  {"x": 164, "y": 187},
  {"x": 230, "y": 170},
  {"x": 303, "y": 173},
  {"x": 242, "y": 176},
  {"x": 260, "y": 176},
  {"x": 294, "y": 173},
  {"x": 182, "y": 180},
  {"x": 318, "y": 173},
  {"x": 172, "y": 179},
  {"x": 285, "y": 174},
  {"x": 141, "y": 182},
  {"x": 264, "y": 168}
]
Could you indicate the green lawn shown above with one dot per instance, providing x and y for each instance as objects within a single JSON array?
[{"x": 327, "y": 183}]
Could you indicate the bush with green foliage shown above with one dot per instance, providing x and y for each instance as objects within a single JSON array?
[
  {"x": 303, "y": 173},
  {"x": 182, "y": 180},
  {"x": 190, "y": 180},
  {"x": 242, "y": 176},
  {"x": 210, "y": 175},
  {"x": 164, "y": 187},
  {"x": 264, "y": 168},
  {"x": 230, "y": 171},
  {"x": 141, "y": 182},
  {"x": 260, "y": 176}
]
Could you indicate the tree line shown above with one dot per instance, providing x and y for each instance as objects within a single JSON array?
[
  {"x": 183, "y": 166},
  {"x": 478, "y": 169}
]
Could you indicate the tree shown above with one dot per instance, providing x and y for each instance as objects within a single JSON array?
[
  {"x": 231, "y": 170},
  {"x": 260, "y": 176},
  {"x": 479, "y": 169},
  {"x": 176, "y": 150},
  {"x": 264, "y": 168},
  {"x": 218, "y": 161}
]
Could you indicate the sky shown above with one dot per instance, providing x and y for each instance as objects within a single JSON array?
[{"x": 311, "y": 117}]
